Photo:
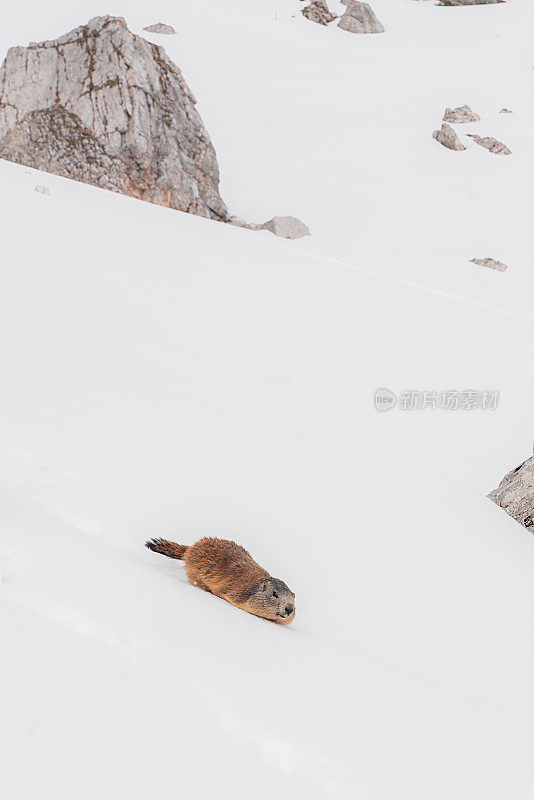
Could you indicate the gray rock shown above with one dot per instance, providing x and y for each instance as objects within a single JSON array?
[
  {"x": 286, "y": 227},
  {"x": 360, "y": 18},
  {"x": 490, "y": 263},
  {"x": 160, "y": 27},
  {"x": 468, "y": 2},
  {"x": 319, "y": 12},
  {"x": 105, "y": 107},
  {"x": 460, "y": 115},
  {"x": 505, "y": 111},
  {"x": 448, "y": 137},
  {"x": 515, "y": 494},
  {"x": 491, "y": 144}
]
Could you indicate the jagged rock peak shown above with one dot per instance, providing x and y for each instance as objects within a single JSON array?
[{"x": 106, "y": 107}]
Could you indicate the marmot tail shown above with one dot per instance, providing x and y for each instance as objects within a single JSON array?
[{"x": 169, "y": 549}]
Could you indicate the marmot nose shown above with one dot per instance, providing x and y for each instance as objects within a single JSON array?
[{"x": 289, "y": 609}]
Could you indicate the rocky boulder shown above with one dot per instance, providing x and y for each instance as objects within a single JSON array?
[
  {"x": 360, "y": 18},
  {"x": 460, "y": 115},
  {"x": 491, "y": 144},
  {"x": 319, "y": 12},
  {"x": 448, "y": 137},
  {"x": 515, "y": 493},
  {"x": 105, "y": 107}
]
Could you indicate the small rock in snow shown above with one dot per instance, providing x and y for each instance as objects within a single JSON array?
[
  {"x": 360, "y": 18},
  {"x": 491, "y": 144},
  {"x": 490, "y": 263},
  {"x": 160, "y": 27},
  {"x": 460, "y": 115},
  {"x": 42, "y": 189},
  {"x": 505, "y": 111},
  {"x": 448, "y": 137},
  {"x": 286, "y": 227},
  {"x": 468, "y": 2},
  {"x": 318, "y": 12}
]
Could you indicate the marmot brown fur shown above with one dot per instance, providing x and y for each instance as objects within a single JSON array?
[{"x": 227, "y": 570}]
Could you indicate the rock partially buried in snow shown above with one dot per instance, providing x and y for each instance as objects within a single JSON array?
[
  {"x": 515, "y": 494},
  {"x": 491, "y": 144},
  {"x": 490, "y": 263},
  {"x": 40, "y": 189},
  {"x": 360, "y": 18},
  {"x": 468, "y": 2},
  {"x": 505, "y": 111},
  {"x": 286, "y": 227},
  {"x": 448, "y": 137},
  {"x": 160, "y": 27},
  {"x": 319, "y": 12},
  {"x": 460, "y": 115}
]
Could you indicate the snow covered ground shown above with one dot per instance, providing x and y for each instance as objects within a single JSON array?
[{"x": 164, "y": 375}]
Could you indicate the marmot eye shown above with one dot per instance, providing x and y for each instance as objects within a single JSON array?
[{"x": 275, "y": 594}]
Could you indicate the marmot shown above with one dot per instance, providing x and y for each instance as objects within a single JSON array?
[{"x": 227, "y": 570}]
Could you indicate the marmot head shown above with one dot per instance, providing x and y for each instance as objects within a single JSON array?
[{"x": 272, "y": 599}]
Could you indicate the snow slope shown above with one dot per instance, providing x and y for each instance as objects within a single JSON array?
[{"x": 164, "y": 375}]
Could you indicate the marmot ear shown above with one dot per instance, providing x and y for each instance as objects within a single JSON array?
[{"x": 264, "y": 584}]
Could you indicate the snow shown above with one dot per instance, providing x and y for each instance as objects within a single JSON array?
[{"x": 164, "y": 375}]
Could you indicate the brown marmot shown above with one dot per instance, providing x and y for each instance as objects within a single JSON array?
[{"x": 227, "y": 570}]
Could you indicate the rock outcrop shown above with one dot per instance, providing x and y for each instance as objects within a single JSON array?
[
  {"x": 105, "y": 107},
  {"x": 490, "y": 263},
  {"x": 491, "y": 144},
  {"x": 360, "y": 18},
  {"x": 515, "y": 494},
  {"x": 460, "y": 115},
  {"x": 319, "y": 12},
  {"x": 160, "y": 27},
  {"x": 448, "y": 137}
]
